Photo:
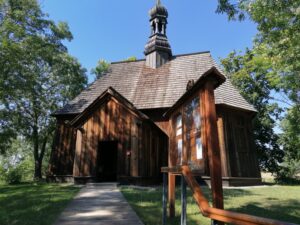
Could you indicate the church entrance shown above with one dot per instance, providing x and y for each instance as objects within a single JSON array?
[{"x": 107, "y": 161}]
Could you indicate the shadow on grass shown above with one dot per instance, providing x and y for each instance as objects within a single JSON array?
[
  {"x": 259, "y": 202},
  {"x": 148, "y": 206},
  {"x": 33, "y": 204},
  {"x": 286, "y": 210}
]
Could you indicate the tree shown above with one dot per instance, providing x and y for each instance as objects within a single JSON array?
[
  {"x": 103, "y": 66},
  {"x": 290, "y": 137},
  {"x": 7, "y": 133},
  {"x": 130, "y": 59},
  {"x": 17, "y": 164},
  {"x": 37, "y": 74},
  {"x": 290, "y": 141},
  {"x": 101, "y": 69},
  {"x": 278, "y": 23}
]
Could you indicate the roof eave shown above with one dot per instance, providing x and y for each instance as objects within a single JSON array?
[
  {"x": 213, "y": 71},
  {"x": 253, "y": 111}
]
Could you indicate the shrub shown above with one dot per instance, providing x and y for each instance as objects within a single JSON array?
[
  {"x": 2, "y": 174},
  {"x": 289, "y": 172},
  {"x": 13, "y": 175},
  {"x": 27, "y": 168}
]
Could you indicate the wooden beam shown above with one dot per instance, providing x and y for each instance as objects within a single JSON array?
[
  {"x": 164, "y": 199},
  {"x": 171, "y": 178},
  {"x": 223, "y": 153},
  {"x": 134, "y": 149},
  {"x": 203, "y": 132},
  {"x": 183, "y": 201},
  {"x": 213, "y": 146},
  {"x": 76, "y": 166},
  {"x": 171, "y": 195}
]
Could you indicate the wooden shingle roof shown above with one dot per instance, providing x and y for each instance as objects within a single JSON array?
[
  {"x": 107, "y": 94},
  {"x": 149, "y": 88}
]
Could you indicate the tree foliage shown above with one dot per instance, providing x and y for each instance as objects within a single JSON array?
[
  {"x": 101, "y": 69},
  {"x": 277, "y": 44},
  {"x": 37, "y": 74},
  {"x": 278, "y": 24},
  {"x": 290, "y": 138},
  {"x": 103, "y": 66},
  {"x": 18, "y": 160},
  {"x": 130, "y": 59}
]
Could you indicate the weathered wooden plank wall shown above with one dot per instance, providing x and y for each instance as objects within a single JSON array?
[
  {"x": 62, "y": 155},
  {"x": 237, "y": 140},
  {"x": 142, "y": 147}
]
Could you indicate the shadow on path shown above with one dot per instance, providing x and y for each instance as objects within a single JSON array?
[{"x": 101, "y": 204}]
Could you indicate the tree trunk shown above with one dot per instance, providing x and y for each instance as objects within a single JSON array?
[
  {"x": 38, "y": 158},
  {"x": 37, "y": 162},
  {"x": 38, "y": 169}
]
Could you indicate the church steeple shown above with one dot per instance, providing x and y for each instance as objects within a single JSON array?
[{"x": 158, "y": 50}]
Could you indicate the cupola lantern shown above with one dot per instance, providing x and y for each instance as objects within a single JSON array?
[{"x": 158, "y": 50}]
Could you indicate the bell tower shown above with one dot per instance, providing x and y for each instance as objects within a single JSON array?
[{"x": 158, "y": 50}]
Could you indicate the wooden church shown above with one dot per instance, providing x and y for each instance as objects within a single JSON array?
[{"x": 151, "y": 113}]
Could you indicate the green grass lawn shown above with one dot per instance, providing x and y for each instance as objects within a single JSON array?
[
  {"x": 33, "y": 204},
  {"x": 275, "y": 202}
]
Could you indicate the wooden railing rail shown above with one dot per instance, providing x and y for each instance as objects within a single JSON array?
[{"x": 222, "y": 215}]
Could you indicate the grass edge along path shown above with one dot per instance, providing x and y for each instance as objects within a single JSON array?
[
  {"x": 275, "y": 202},
  {"x": 34, "y": 204}
]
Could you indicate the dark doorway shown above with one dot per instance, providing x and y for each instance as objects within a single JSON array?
[{"x": 107, "y": 161}]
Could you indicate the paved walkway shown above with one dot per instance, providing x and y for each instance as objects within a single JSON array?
[{"x": 99, "y": 204}]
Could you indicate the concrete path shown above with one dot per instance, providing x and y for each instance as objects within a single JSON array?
[{"x": 99, "y": 204}]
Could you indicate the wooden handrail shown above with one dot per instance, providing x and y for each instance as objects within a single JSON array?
[{"x": 219, "y": 214}]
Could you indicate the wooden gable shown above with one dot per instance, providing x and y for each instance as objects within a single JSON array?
[{"x": 141, "y": 145}]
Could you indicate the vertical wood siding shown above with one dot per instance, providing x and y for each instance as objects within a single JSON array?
[
  {"x": 142, "y": 147},
  {"x": 63, "y": 150},
  {"x": 238, "y": 141}
]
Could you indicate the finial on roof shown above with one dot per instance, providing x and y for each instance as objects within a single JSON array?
[
  {"x": 158, "y": 50},
  {"x": 158, "y": 10}
]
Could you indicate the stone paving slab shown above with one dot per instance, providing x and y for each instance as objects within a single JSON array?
[{"x": 99, "y": 204}]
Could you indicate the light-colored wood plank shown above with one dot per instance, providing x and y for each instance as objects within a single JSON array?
[
  {"x": 78, "y": 150},
  {"x": 213, "y": 146},
  {"x": 223, "y": 154}
]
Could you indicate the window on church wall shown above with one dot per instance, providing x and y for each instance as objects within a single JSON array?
[
  {"x": 179, "y": 143},
  {"x": 192, "y": 134}
]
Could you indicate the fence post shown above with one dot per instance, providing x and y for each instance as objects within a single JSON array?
[
  {"x": 183, "y": 201},
  {"x": 164, "y": 198}
]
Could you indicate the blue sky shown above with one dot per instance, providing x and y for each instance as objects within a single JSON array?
[{"x": 117, "y": 29}]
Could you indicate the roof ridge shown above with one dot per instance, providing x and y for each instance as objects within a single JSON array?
[
  {"x": 192, "y": 53},
  {"x": 124, "y": 61},
  {"x": 174, "y": 56}
]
